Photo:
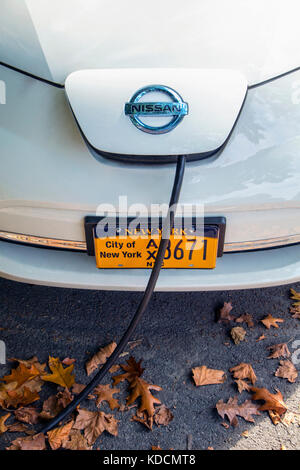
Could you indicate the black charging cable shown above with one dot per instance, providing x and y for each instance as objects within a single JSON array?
[{"x": 167, "y": 227}]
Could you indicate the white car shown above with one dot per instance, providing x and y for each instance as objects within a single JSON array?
[{"x": 97, "y": 101}]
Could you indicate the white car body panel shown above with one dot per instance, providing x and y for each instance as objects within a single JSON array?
[
  {"x": 214, "y": 97},
  {"x": 53, "y": 38},
  {"x": 50, "y": 181}
]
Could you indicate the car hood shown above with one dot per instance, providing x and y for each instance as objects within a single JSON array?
[{"x": 52, "y": 38}]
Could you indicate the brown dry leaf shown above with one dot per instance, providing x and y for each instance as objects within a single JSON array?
[
  {"x": 20, "y": 397},
  {"x": 244, "y": 371},
  {"x": 76, "y": 441},
  {"x": 242, "y": 385},
  {"x": 68, "y": 361},
  {"x": 295, "y": 296},
  {"x": 224, "y": 314},
  {"x": 27, "y": 415},
  {"x": 29, "y": 362},
  {"x": 114, "y": 368},
  {"x": 287, "y": 370},
  {"x": 36, "y": 442},
  {"x": 21, "y": 375},
  {"x": 273, "y": 401},
  {"x": 204, "y": 376},
  {"x": 55, "y": 404},
  {"x": 291, "y": 418},
  {"x": 77, "y": 388},
  {"x": 226, "y": 425},
  {"x": 278, "y": 350},
  {"x": 245, "y": 434},
  {"x": 271, "y": 321},
  {"x": 238, "y": 334},
  {"x": 143, "y": 418},
  {"x": 3, "y": 427},
  {"x": 163, "y": 416},
  {"x": 246, "y": 318},
  {"x": 95, "y": 423},
  {"x": 156, "y": 448},
  {"x": 232, "y": 409},
  {"x": 105, "y": 393},
  {"x": 20, "y": 427},
  {"x": 275, "y": 418},
  {"x": 262, "y": 337},
  {"x": 132, "y": 370},
  {"x": 140, "y": 388},
  {"x": 295, "y": 311},
  {"x": 100, "y": 357},
  {"x": 60, "y": 376},
  {"x": 58, "y": 436}
]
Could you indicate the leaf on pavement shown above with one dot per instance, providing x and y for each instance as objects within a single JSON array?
[
  {"x": 58, "y": 436},
  {"x": 132, "y": 370},
  {"x": 100, "y": 357},
  {"x": 279, "y": 350},
  {"x": 20, "y": 427},
  {"x": 204, "y": 376},
  {"x": 77, "y": 388},
  {"x": 140, "y": 388},
  {"x": 95, "y": 423},
  {"x": 29, "y": 362},
  {"x": 105, "y": 393},
  {"x": 55, "y": 404},
  {"x": 76, "y": 441},
  {"x": 60, "y": 376},
  {"x": 244, "y": 371},
  {"x": 238, "y": 334},
  {"x": 261, "y": 338},
  {"x": 296, "y": 312},
  {"x": 3, "y": 427},
  {"x": 27, "y": 415},
  {"x": 36, "y": 442},
  {"x": 275, "y": 418},
  {"x": 68, "y": 361},
  {"x": 224, "y": 314},
  {"x": 163, "y": 416},
  {"x": 21, "y": 375},
  {"x": 271, "y": 321},
  {"x": 273, "y": 401},
  {"x": 295, "y": 296},
  {"x": 21, "y": 397},
  {"x": 246, "y": 318},
  {"x": 287, "y": 370},
  {"x": 232, "y": 409},
  {"x": 242, "y": 385}
]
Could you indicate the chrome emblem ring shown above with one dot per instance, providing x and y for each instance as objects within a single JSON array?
[{"x": 176, "y": 109}]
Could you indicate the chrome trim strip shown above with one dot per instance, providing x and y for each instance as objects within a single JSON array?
[
  {"x": 42, "y": 241},
  {"x": 261, "y": 244},
  {"x": 81, "y": 246}
]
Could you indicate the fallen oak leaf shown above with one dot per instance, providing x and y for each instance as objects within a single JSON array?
[
  {"x": 68, "y": 361},
  {"x": 279, "y": 350},
  {"x": 224, "y": 314},
  {"x": 23, "y": 397},
  {"x": 3, "y": 427},
  {"x": 242, "y": 385},
  {"x": 60, "y": 376},
  {"x": 244, "y": 371},
  {"x": 58, "y": 436},
  {"x": 232, "y": 409},
  {"x": 238, "y": 334},
  {"x": 140, "y": 388},
  {"x": 100, "y": 358},
  {"x": 132, "y": 370},
  {"x": 295, "y": 296},
  {"x": 20, "y": 427},
  {"x": 273, "y": 401},
  {"x": 287, "y": 370},
  {"x": 29, "y": 362},
  {"x": 105, "y": 393},
  {"x": 275, "y": 418},
  {"x": 77, "y": 388},
  {"x": 204, "y": 376},
  {"x": 95, "y": 423},
  {"x": 271, "y": 321},
  {"x": 55, "y": 404},
  {"x": 21, "y": 375}
]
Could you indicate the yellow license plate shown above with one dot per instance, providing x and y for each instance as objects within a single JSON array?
[{"x": 185, "y": 251}]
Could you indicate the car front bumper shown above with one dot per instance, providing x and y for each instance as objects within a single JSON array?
[{"x": 50, "y": 181}]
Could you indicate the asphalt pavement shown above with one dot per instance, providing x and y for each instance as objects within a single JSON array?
[{"x": 178, "y": 332}]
